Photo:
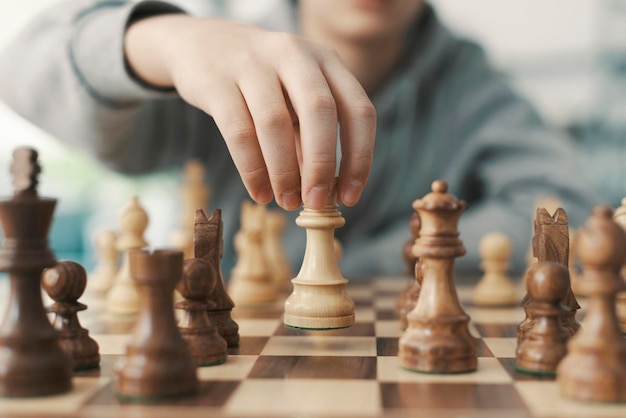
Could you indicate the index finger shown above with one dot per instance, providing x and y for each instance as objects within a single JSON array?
[{"x": 357, "y": 119}]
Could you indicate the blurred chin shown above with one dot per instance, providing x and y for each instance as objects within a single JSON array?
[
  {"x": 367, "y": 28},
  {"x": 370, "y": 19}
]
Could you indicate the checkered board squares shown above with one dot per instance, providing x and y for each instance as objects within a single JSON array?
[{"x": 354, "y": 372}]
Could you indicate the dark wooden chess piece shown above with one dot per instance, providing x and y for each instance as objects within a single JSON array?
[
  {"x": 157, "y": 363},
  {"x": 545, "y": 343},
  {"x": 551, "y": 243},
  {"x": 438, "y": 339},
  {"x": 65, "y": 283},
  {"x": 207, "y": 346},
  {"x": 408, "y": 297},
  {"x": 208, "y": 246},
  {"x": 594, "y": 368},
  {"x": 32, "y": 361}
]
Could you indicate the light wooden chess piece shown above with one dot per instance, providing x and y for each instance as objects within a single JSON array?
[
  {"x": 280, "y": 271},
  {"x": 319, "y": 299},
  {"x": 594, "y": 368},
  {"x": 123, "y": 299},
  {"x": 250, "y": 281},
  {"x": 195, "y": 195},
  {"x": 157, "y": 364},
  {"x": 102, "y": 277},
  {"x": 32, "y": 362},
  {"x": 407, "y": 299},
  {"x": 495, "y": 288},
  {"x": 620, "y": 218},
  {"x": 544, "y": 344},
  {"x": 438, "y": 339},
  {"x": 65, "y": 283}
]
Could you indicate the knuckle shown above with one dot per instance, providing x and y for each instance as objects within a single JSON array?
[
  {"x": 284, "y": 41},
  {"x": 274, "y": 118},
  {"x": 323, "y": 103},
  {"x": 245, "y": 58},
  {"x": 364, "y": 111},
  {"x": 322, "y": 160},
  {"x": 254, "y": 172},
  {"x": 285, "y": 175},
  {"x": 327, "y": 53},
  {"x": 239, "y": 131}
]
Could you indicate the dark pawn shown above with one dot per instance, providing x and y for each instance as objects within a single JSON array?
[
  {"x": 545, "y": 343},
  {"x": 157, "y": 364},
  {"x": 65, "y": 283},
  {"x": 551, "y": 243},
  {"x": 208, "y": 246},
  {"x": 207, "y": 346},
  {"x": 32, "y": 362}
]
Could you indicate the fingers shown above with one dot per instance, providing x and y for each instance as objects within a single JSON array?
[
  {"x": 323, "y": 92},
  {"x": 274, "y": 129},
  {"x": 357, "y": 118},
  {"x": 266, "y": 84},
  {"x": 237, "y": 127},
  {"x": 315, "y": 106}
]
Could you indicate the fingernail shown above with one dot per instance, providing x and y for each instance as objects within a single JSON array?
[
  {"x": 317, "y": 197},
  {"x": 352, "y": 192},
  {"x": 264, "y": 196},
  {"x": 290, "y": 200}
]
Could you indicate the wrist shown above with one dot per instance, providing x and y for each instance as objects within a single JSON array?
[{"x": 145, "y": 48}]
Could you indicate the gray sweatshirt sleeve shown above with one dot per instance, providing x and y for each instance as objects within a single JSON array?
[{"x": 66, "y": 73}]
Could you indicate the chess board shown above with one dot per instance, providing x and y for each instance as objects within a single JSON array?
[{"x": 352, "y": 372}]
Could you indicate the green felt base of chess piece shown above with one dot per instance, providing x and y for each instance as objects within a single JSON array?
[
  {"x": 547, "y": 373},
  {"x": 313, "y": 329},
  {"x": 439, "y": 371},
  {"x": 212, "y": 363}
]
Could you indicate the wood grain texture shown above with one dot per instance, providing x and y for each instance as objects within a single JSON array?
[
  {"x": 208, "y": 246},
  {"x": 206, "y": 345},
  {"x": 65, "y": 283},
  {"x": 595, "y": 366},
  {"x": 32, "y": 361},
  {"x": 545, "y": 343},
  {"x": 437, "y": 339},
  {"x": 158, "y": 363},
  {"x": 319, "y": 299},
  {"x": 551, "y": 243}
]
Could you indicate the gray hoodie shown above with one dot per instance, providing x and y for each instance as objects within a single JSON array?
[{"x": 443, "y": 113}]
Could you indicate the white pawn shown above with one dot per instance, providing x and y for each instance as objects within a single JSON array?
[
  {"x": 194, "y": 195},
  {"x": 250, "y": 281},
  {"x": 123, "y": 298},
  {"x": 319, "y": 299},
  {"x": 101, "y": 278},
  {"x": 495, "y": 288},
  {"x": 280, "y": 271}
]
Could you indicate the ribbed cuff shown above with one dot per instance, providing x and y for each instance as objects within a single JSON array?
[{"x": 97, "y": 51}]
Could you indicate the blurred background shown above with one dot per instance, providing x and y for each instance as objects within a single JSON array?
[{"x": 568, "y": 57}]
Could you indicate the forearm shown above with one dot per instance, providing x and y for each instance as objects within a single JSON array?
[{"x": 143, "y": 48}]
